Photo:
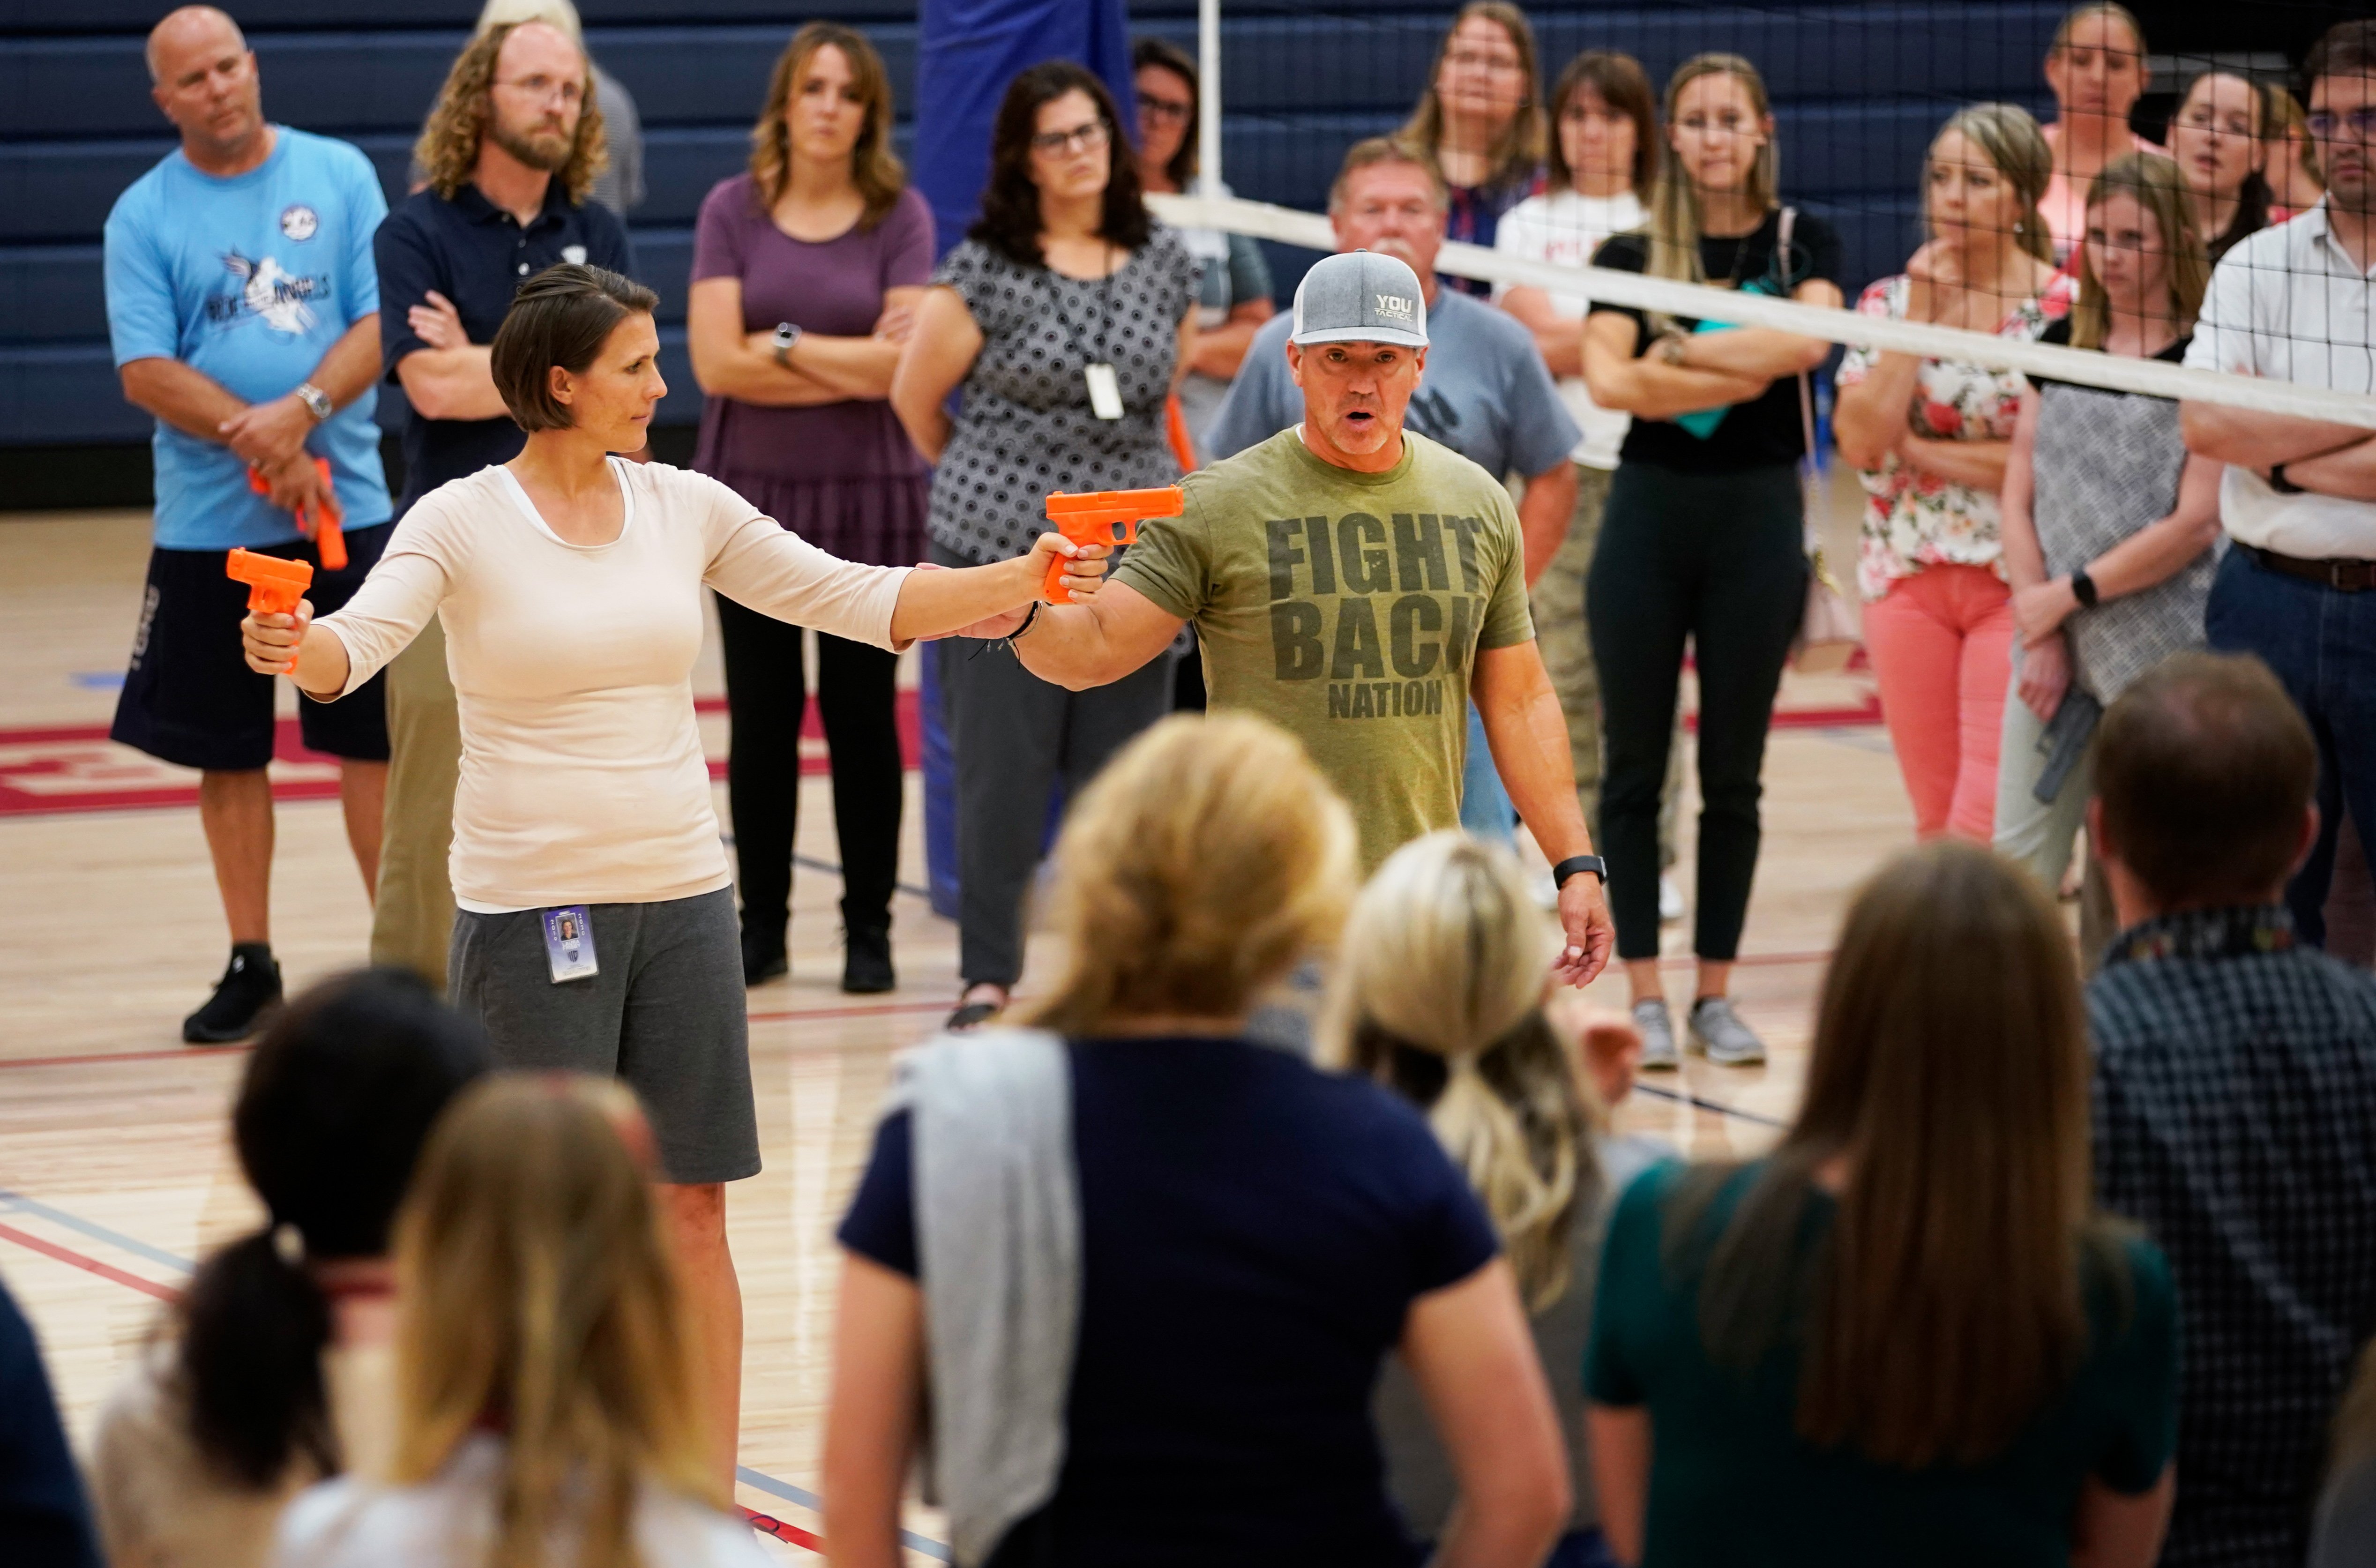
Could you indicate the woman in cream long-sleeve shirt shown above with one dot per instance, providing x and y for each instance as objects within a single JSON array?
[{"x": 596, "y": 929}]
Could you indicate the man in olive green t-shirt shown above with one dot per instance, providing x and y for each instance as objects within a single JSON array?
[{"x": 1355, "y": 583}]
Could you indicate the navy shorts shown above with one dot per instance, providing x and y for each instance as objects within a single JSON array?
[{"x": 189, "y": 696}]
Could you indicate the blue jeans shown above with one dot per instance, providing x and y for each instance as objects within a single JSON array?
[
  {"x": 2322, "y": 644},
  {"x": 1485, "y": 808}
]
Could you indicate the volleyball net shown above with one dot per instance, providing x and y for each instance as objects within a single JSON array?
[{"x": 1860, "y": 95}]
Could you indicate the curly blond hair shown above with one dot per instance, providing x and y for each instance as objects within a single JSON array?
[{"x": 448, "y": 148}]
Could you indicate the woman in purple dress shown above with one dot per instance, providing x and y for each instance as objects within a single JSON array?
[{"x": 806, "y": 272}]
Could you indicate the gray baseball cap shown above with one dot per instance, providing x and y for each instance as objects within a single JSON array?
[{"x": 1359, "y": 297}]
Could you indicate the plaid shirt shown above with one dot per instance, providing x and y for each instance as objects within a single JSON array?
[{"x": 2234, "y": 1118}]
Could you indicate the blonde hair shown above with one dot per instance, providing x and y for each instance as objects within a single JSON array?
[
  {"x": 1438, "y": 994},
  {"x": 2009, "y": 138},
  {"x": 1519, "y": 150},
  {"x": 2285, "y": 123},
  {"x": 875, "y": 169},
  {"x": 1945, "y": 1306},
  {"x": 535, "y": 1288},
  {"x": 2159, "y": 188},
  {"x": 556, "y": 13},
  {"x": 448, "y": 148},
  {"x": 1202, "y": 864},
  {"x": 1674, "y": 226}
]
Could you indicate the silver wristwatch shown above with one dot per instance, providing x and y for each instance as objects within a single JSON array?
[
  {"x": 316, "y": 401},
  {"x": 786, "y": 333}
]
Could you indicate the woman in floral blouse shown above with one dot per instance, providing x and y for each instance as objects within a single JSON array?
[{"x": 1930, "y": 439}]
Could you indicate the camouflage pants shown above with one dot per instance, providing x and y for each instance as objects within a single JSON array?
[{"x": 1567, "y": 644}]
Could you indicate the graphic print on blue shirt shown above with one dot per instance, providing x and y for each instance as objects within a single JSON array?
[{"x": 249, "y": 280}]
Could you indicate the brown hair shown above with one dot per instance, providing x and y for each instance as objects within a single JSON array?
[
  {"x": 1371, "y": 152},
  {"x": 2017, "y": 150},
  {"x": 2118, "y": 13},
  {"x": 2251, "y": 213},
  {"x": 1946, "y": 1302},
  {"x": 2286, "y": 122},
  {"x": 1625, "y": 87},
  {"x": 1518, "y": 152},
  {"x": 1674, "y": 226},
  {"x": 562, "y": 316},
  {"x": 2155, "y": 184},
  {"x": 875, "y": 169},
  {"x": 2354, "y": 1442},
  {"x": 2204, "y": 772},
  {"x": 448, "y": 148},
  {"x": 1203, "y": 862},
  {"x": 1009, "y": 223},
  {"x": 1439, "y": 995},
  {"x": 1166, "y": 55},
  {"x": 2349, "y": 49},
  {"x": 535, "y": 1288}
]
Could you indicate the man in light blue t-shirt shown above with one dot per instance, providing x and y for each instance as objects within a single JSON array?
[
  {"x": 243, "y": 307},
  {"x": 1486, "y": 393}
]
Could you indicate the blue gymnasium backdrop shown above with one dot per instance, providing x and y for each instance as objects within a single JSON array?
[{"x": 967, "y": 52}]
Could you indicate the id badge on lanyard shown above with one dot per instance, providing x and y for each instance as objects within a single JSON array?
[{"x": 1105, "y": 390}]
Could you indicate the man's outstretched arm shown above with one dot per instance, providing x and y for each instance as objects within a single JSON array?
[
  {"x": 1095, "y": 644},
  {"x": 1528, "y": 734}
]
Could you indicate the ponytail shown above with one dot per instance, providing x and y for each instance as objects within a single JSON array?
[
  {"x": 254, "y": 1327},
  {"x": 1530, "y": 1184}
]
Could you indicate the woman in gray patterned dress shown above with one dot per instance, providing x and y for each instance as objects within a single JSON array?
[
  {"x": 2110, "y": 526},
  {"x": 1066, "y": 318}
]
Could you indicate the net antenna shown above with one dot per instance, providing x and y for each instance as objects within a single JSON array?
[{"x": 1208, "y": 91}]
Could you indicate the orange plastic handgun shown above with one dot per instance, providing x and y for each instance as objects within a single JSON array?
[
  {"x": 1105, "y": 516},
  {"x": 326, "y": 521},
  {"x": 274, "y": 585}
]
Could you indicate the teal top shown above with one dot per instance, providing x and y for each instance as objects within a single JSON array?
[{"x": 1732, "y": 1483}]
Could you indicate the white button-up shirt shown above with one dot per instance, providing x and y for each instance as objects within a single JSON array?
[{"x": 2290, "y": 304}]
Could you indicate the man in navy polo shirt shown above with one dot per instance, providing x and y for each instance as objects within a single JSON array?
[
  {"x": 511, "y": 151},
  {"x": 243, "y": 310}
]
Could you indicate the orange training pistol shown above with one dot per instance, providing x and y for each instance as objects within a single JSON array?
[
  {"x": 274, "y": 586},
  {"x": 1105, "y": 516},
  {"x": 327, "y": 519}
]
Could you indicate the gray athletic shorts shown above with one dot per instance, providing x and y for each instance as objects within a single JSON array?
[{"x": 664, "y": 1014}]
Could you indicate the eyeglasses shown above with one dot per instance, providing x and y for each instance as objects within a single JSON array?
[
  {"x": 2360, "y": 123},
  {"x": 1172, "y": 109},
  {"x": 1087, "y": 139},
  {"x": 1477, "y": 60},
  {"x": 543, "y": 89}
]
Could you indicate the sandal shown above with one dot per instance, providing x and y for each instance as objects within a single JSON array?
[{"x": 968, "y": 1015}]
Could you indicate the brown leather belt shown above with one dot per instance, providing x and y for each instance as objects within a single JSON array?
[{"x": 2345, "y": 576}]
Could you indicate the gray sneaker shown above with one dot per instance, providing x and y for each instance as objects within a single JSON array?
[
  {"x": 1658, "y": 1028},
  {"x": 1717, "y": 1029}
]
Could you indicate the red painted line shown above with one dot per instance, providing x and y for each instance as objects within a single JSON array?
[
  {"x": 88, "y": 1264},
  {"x": 791, "y": 1535},
  {"x": 884, "y": 1010},
  {"x": 98, "y": 1056}
]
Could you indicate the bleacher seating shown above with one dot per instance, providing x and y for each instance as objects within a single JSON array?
[{"x": 1859, "y": 88}]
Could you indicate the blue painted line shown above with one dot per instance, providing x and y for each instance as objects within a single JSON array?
[
  {"x": 759, "y": 1482},
  {"x": 97, "y": 680},
  {"x": 97, "y": 1232},
  {"x": 1686, "y": 1097}
]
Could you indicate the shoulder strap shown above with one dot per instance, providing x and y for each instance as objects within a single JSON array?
[{"x": 1806, "y": 393}]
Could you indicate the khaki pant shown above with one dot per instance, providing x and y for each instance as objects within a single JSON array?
[
  {"x": 412, "y": 919},
  {"x": 1565, "y": 641}
]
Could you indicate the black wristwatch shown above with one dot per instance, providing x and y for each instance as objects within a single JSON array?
[
  {"x": 1575, "y": 864},
  {"x": 2083, "y": 588},
  {"x": 2280, "y": 483}
]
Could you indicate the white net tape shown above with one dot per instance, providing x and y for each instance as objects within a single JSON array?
[{"x": 1632, "y": 289}]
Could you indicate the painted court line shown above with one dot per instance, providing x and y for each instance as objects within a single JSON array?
[
  {"x": 1685, "y": 1097},
  {"x": 73, "y": 1259},
  {"x": 96, "y": 1231},
  {"x": 760, "y": 1481}
]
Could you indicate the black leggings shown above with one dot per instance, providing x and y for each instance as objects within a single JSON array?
[
  {"x": 767, "y": 697},
  {"x": 1718, "y": 559}
]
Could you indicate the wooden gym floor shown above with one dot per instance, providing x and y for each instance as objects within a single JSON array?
[{"x": 116, "y": 1173}]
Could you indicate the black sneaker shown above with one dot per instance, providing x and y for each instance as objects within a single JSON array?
[
  {"x": 249, "y": 989},
  {"x": 763, "y": 955},
  {"x": 866, "y": 961}
]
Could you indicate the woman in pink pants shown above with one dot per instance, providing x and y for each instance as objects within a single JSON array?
[{"x": 1930, "y": 439}]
